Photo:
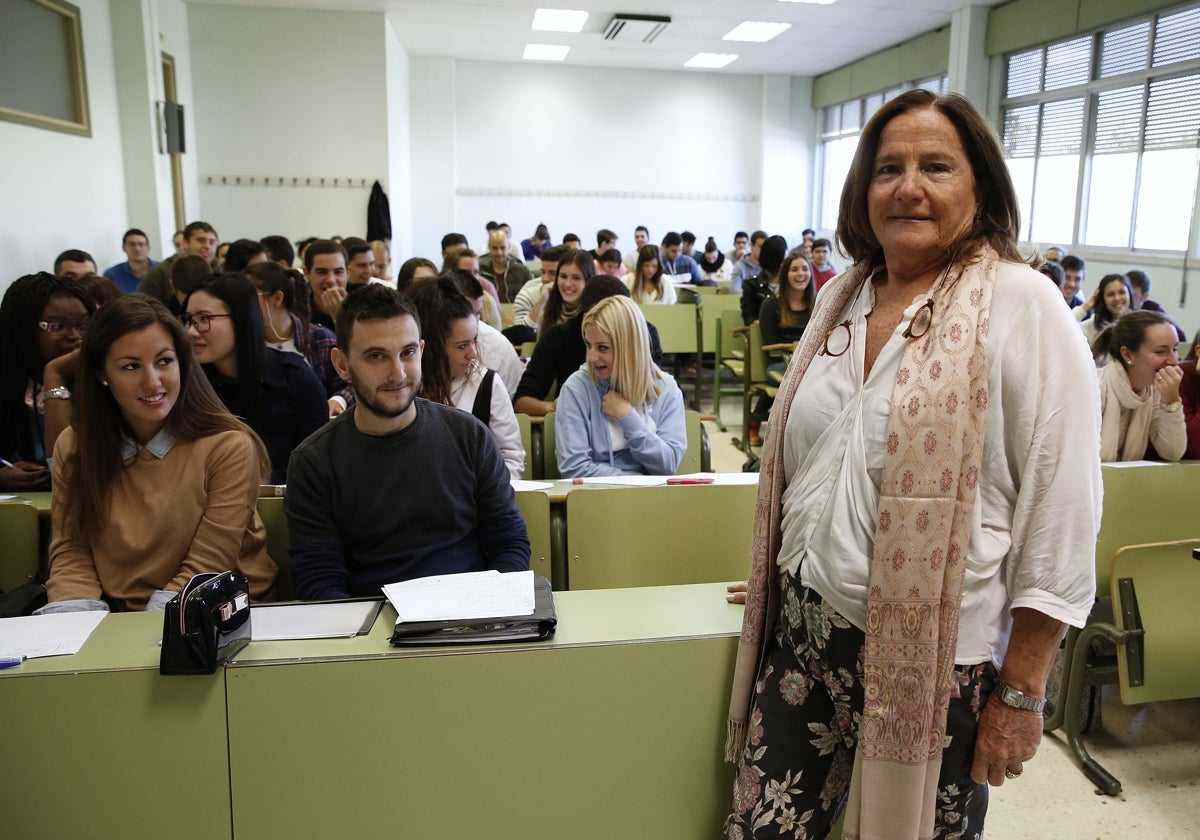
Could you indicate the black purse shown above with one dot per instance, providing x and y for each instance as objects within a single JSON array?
[{"x": 205, "y": 624}]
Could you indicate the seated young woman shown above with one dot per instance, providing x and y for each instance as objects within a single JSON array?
[
  {"x": 784, "y": 315},
  {"x": 619, "y": 414},
  {"x": 646, "y": 282},
  {"x": 1110, "y": 300},
  {"x": 1189, "y": 394},
  {"x": 452, "y": 372},
  {"x": 155, "y": 481},
  {"x": 562, "y": 301},
  {"x": 42, "y": 322},
  {"x": 276, "y": 393},
  {"x": 283, "y": 298},
  {"x": 1141, "y": 415}
]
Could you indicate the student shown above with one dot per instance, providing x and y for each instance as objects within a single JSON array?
[
  {"x": 562, "y": 302},
  {"x": 715, "y": 267},
  {"x": 784, "y": 315},
  {"x": 619, "y": 414},
  {"x": 452, "y": 372},
  {"x": 155, "y": 481},
  {"x": 646, "y": 282},
  {"x": 128, "y": 274},
  {"x": 276, "y": 393},
  {"x": 284, "y": 298},
  {"x": 413, "y": 269},
  {"x": 765, "y": 284},
  {"x": 42, "y": 321},
  {"x": 1140, "y": 410},
  {"x": 398, "y": 487},
  {"x": 1111, "y": 299}
]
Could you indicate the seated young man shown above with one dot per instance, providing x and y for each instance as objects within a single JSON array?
[{"x": 397, "y": 487}]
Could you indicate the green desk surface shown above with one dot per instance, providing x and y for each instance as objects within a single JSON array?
[{"x": 593, "y": 617}]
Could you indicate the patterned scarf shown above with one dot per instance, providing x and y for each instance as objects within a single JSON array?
[{"x": 930, "y": 483}]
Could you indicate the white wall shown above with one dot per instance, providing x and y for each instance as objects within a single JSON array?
[
  {"x": 60, "y": 191},
  {"x": 684, "y": 148},
  {"x": 293, "y": 94},
  {"x": 399, "y": 178}
]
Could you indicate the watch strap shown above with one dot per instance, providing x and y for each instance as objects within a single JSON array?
[
  {"x": 1016, "y": 699},
  {"x": 58, "y": 393}
]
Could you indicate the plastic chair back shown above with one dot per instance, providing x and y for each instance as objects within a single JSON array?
[
  {"x": 270, "y": 510},
  {"x": 658, "y": 536},
  {"x": 19, "y": 546}
]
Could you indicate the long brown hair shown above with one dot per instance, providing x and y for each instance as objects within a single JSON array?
[
  {"x": 787, "y": 317},
  {"x": 645, "y": 254},
  {"x": 552, "y": 313},
  {"x": 998, "y": 220},
  {"x": 94, "y": 468},
  {"x": 439, "y": 304}
]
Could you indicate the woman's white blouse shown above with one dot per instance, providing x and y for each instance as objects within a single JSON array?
[{"x": 1035, "y": 522}]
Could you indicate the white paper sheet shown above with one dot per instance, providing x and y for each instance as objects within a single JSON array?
[
  {"x": 519, "y": 484},
  {"x": 334, "y": 620},
  {"x": 489, "y": 594},
  {"x": 59, "y": 634},
  {"x": 1124, "y": 464}
]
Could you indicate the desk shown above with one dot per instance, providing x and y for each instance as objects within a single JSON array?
[
  {"x": 1145, "y": 504},
  {"x": 614, "y": 728},
  {"x": 41, "y": 501},
  {"x": 100, "y": 744}
]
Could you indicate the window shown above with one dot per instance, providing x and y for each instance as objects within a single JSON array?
[
  {"x": 840, "y": 128},
  {"x": 41, "y": 63},
  {"x": 1102, "y": 134}
]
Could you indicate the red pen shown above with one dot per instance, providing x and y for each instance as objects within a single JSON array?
[{"x": 689, "y": 481}]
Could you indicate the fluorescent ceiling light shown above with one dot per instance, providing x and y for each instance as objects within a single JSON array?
[
  {"x": 815, "y": 2},
  {"x": 545, "y": 52},
  {"x": 710, "y": 61},
  {"x": 559, "y": 20},
  {"x": 756, "y": 30}
]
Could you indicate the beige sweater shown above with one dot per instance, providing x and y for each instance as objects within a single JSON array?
[{"x": 191, "y": 512}]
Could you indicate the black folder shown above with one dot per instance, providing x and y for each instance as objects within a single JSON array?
[{"x": 478, "y": 631}]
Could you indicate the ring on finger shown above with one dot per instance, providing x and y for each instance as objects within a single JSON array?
[{"x": 1012, "y": 774}]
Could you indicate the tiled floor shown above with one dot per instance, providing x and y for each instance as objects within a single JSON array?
[{"x": 1154, "y": 750}]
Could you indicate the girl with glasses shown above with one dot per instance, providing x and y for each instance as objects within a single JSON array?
[
  {"x": 275, "y": 393},
  {"x": 42, "y": 322}
]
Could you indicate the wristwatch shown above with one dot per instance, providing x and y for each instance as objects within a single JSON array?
[
  {"x": 58, "y": 393},
  {"x": 1009, "y": 696},
  {"x": 1172, "y": 408}
]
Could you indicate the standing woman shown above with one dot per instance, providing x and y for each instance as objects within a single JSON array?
[
  {"x": 784, "y": 315},
  {"x": 155, "y": 481},
  {"x": 909, "y": 586},
  {"x": 1141, "y": 414},
  {"x": 619, "y": 414},
  {"x": 646, "y": 282},
  {"x": 452, "y": 372},
  {"x": 562, "y": 301},
  {"x": 1107, "y": 303},
  {"x": 276, "y": 393},
  {"x": 42, "y": 321},
  {"x": 283, "y": 297}
]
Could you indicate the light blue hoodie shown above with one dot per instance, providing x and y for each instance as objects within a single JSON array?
[{"x": 583, "y": 445}]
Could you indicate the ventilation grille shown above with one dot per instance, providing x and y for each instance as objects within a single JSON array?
[{"x": 643, "y": 28}]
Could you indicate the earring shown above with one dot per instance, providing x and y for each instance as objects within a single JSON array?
[{"x": 104, "y": 382}]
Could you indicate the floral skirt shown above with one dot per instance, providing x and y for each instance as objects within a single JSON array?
[{"x": 795, "y": 772}]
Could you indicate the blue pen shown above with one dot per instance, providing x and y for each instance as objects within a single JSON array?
[{"x": 11, "y": 662}]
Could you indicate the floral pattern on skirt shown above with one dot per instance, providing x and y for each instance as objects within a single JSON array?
[{"x": 803, "y": 731}]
